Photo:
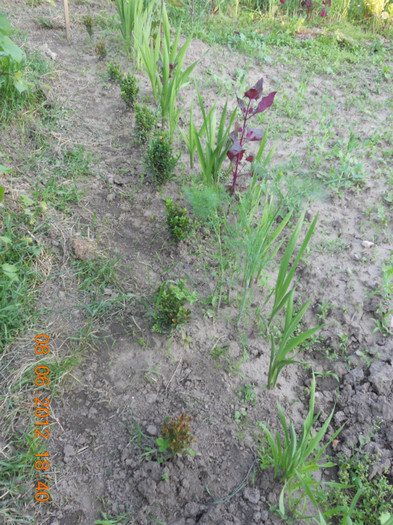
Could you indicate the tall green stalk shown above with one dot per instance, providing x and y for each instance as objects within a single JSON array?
[{"x": 163, "y": 63}]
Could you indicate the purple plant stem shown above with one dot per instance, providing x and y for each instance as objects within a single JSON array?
[{"x": 241, "y": 143}]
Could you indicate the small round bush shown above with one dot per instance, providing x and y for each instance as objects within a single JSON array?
[
  {"x": 129, "y": 89},
  {"x": 145, "y": 120},
  {"x": 159, "y": 159}
]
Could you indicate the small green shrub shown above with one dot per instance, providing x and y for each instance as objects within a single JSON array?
[
  {"x": 129, "y": 89},
  {"x": 101, "y": 50},
  {"x": 178, "y": 223},
  {"x": 160, "y": 159},
  {"x": 170, "y": 311},
  {"x": 176, "y": 436},
  {"x": 145, "y": 121},
  {"x": 114, "y": 72},
  {"x": 88, "y": 23}
]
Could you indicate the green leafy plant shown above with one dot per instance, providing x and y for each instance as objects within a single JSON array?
[
  {"x": 178, "y": 223},
  {"x": 212, "y": 144},
  {"x": 88, "y": 23},
  {"x": 169, "y": 311},
  {"x": 11, "y": 60},
  {"x": 248, "y": 394},
  {"x": 114, "y": 72},
  {"x": 145, "y": 121},
  {"x": 176, "y": 436},
  {"x": 101, "y": 49},
  {"x": 295, "y": 458},
  {"x": 129, "y": 89},
  {"x": 376, "y": 494},
  {"x": 165, "y": 70},
  {"x": 159, "y": 159}
]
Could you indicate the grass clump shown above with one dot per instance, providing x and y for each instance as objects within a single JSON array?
[
  {"x": 145, "y": 120},
  {"x": 170, "y": 311},
  {"x": 18, "y": 278},
  {"x": 160, "y": 160},
  {"x": 129, "y": 89},
  {"x": 178, "y": 223}
]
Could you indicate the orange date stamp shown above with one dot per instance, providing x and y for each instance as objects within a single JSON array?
[{"x": 41, "y": 410}]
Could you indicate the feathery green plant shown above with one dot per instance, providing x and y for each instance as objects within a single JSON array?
[{"x": 253, "y": 238}]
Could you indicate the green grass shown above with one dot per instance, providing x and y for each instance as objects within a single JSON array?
[
  {"x": 97, "y": 274},
  {"x": 17, "y": 289},
  {"x": 37, "y": 71}
]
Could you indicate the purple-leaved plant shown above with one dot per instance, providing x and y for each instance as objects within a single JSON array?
[{"x": 243, "y": 134}]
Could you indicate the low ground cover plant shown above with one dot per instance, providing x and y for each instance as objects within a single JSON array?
[
  {"x": 88, "y": 23},
  {"x": 169, "y": 310},
  {"x": 19, "y": 274},
  {"x": 376, "y": 495},
  {"x": 159, "y": 159}
]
